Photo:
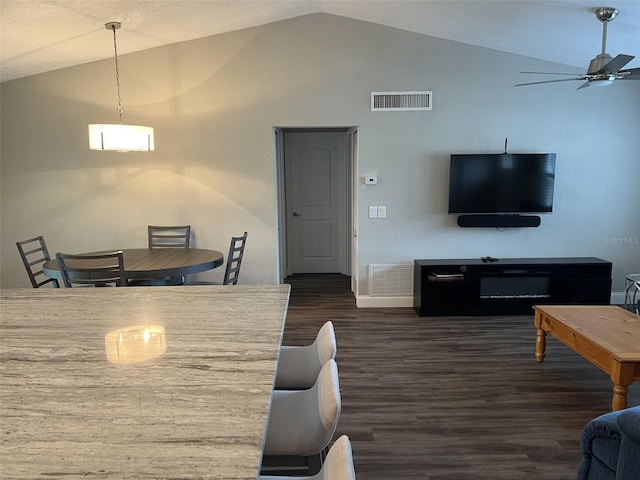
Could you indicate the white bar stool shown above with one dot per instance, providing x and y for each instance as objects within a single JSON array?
[
  {"x": 337, "y": 466},
  {"x": 299, "y": 366}
]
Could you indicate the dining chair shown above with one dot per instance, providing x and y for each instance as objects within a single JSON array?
[
  {"x": 234, "y": 260},
  {"x": 92, "y": 270},
  {"x": 34, "y": 254},
  {"x": 166, "y": 236},
  {"x": 301, "y": 424},
  {"x": 169, "y": 236},
  {"x": 337, "y": 466},
  {"x": 299, "y": 366}
]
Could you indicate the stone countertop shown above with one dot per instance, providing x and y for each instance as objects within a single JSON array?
[{"x": 197, "y": 410}]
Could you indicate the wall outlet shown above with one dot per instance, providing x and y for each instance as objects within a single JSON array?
[
  {"x": 373, "y": 212},
  {"x": 382, "y": 211}
]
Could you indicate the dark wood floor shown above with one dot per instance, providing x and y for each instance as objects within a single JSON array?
[{"x": 450, "y": 398}]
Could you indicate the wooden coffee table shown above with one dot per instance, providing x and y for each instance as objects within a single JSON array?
[{"x": 605, "y": 335}]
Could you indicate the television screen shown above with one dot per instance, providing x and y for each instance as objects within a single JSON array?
[{"x": 508, "y": 183}]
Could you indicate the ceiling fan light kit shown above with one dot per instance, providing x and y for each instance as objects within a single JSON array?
[
  {"x": 602, "y": 82},
  {"x": 119, "y": 137},
  {"x": 603, "y": 69}
]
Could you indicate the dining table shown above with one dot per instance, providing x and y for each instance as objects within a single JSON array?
[
  {"x": 137, "y": 383},
  {"x": 154, "y": 263}
]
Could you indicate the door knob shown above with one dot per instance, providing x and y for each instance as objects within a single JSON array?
[{"x": 296, "y": 214}]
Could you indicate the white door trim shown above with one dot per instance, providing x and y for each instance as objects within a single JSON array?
[{"x": 352, "y": 195}]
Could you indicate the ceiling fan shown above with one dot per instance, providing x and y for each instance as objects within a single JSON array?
[{"x": 603, "y": 69}]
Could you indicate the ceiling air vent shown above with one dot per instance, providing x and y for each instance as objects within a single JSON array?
[{"x": 401, "y": 101}]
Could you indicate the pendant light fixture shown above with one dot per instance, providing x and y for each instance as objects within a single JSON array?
[{"x": 119, "y": 137}]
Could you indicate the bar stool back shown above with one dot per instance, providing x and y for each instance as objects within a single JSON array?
[
  {"x": 337, "y": 466},
  {"x": 302, "y": 423},
  {"x": 299, "y": 366}
]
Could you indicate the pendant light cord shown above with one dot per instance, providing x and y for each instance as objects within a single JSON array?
[{"x": 115, "y": 49}]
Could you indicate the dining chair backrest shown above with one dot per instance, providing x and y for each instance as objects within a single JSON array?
[
  {"x": 169, "y": 236},
  {"x": 34, "y": 254},
  {"x": 92, "y": 269},
  {"x": 234, "y": 260}
]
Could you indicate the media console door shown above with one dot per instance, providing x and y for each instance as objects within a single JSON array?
[{"x": 508, "y": 286}]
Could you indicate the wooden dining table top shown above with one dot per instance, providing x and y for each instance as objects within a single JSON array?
[
  {"x": 196, "y": 410},
  {"x": 143, "y": 263}
]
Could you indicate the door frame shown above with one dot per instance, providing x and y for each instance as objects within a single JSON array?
[{"x": 351, "y": 195}]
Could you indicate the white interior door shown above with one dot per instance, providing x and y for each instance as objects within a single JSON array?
[{"x": 316, "y": 179}]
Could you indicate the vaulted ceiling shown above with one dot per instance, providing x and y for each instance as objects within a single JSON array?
[{"x": 43, "y": 35}]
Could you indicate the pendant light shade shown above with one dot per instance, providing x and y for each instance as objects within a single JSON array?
[{"x": 119, "y": 137}]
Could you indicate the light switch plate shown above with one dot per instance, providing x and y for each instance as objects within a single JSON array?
[
  {"x": 382, "y": 211},
  {"x": 373, "y": 212}
]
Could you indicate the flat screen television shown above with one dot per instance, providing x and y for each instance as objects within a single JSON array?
[{"x": 505, "y": 183}]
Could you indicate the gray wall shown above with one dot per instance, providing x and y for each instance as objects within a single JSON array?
[{"x": 214, "y": 103}]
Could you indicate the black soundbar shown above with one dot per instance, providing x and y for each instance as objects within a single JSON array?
[{"x": 498, "y": 221}]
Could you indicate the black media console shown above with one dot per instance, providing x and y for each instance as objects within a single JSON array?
[{"x": 509, "y": 286}]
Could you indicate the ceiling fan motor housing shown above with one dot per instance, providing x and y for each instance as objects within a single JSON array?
[
  {"x": 598, "y": 62},
  {"x": 606, "y": 14}
]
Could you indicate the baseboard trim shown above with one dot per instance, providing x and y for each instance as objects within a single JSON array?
[
  {"x": 617, "y": 298},
  {"x": 365, "y": 301}
]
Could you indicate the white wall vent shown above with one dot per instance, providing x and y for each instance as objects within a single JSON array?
[
  {"x": 401, "y": 101},
  {"x": 391, "y": 280}
]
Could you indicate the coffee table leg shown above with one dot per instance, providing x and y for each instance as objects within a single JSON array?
[
  {"x": 622, "y": 377},
  {"x": 541, "y": 344},
  {"x": 619, "y": 401}
]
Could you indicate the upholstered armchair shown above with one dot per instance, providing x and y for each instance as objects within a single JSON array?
[{"x": 610, "y": 447}]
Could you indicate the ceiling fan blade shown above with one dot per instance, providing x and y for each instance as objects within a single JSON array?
[
  {"x": 551, "y": 73},
  {"x": 584, "y": 85},
  {"x": 615, "y": 64},
  {"x": 634, "y": 74},
  {"x": 549, "y": 81}
]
